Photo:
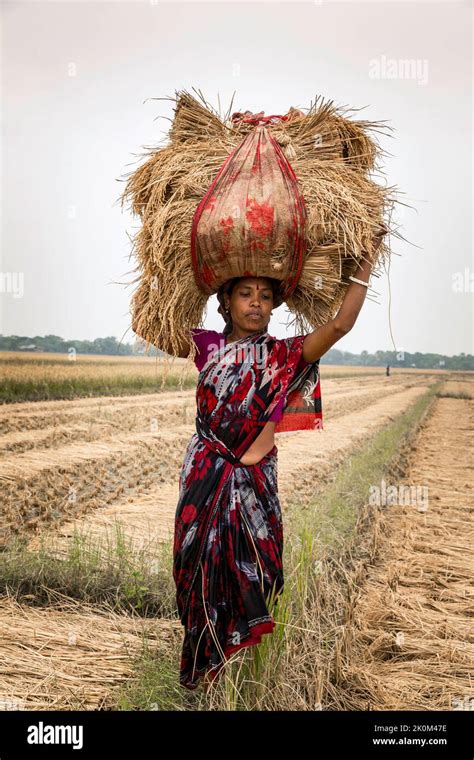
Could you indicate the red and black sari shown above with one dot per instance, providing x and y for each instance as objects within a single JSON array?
[{"x": 228, "y": 541}]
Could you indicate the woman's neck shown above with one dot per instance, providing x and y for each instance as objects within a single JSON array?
[{"x": 230, "y": 338}]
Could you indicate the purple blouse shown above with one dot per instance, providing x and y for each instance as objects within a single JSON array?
[{"x": 208, "y": 341}]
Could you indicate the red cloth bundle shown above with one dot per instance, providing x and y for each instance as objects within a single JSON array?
[{"x": 252, "y": 219}]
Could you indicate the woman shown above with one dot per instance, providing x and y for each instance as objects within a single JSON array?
[{"x": 228, "y": 542}]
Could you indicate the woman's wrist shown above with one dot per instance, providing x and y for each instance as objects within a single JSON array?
[{"x": 363, "y": 272}]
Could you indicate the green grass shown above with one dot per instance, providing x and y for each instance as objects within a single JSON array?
[
  {"x": 155, "y": 685},
  {"x": 14, "y": 390},
  {"x": 111, "y": 573}
]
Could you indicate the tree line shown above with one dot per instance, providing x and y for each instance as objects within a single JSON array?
[{"x": 110, "y": 346}]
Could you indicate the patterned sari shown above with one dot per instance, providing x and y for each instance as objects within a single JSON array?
[{"x": 228, "y": 541}]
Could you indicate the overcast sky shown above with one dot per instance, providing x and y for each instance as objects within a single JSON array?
[{"x": 75, "y": 76}]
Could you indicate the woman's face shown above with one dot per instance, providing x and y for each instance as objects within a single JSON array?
[{"x": 251, "y": 303}]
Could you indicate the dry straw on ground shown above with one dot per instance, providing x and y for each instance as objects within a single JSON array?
[
  {"x": 348, "y": 213},
  {"x": 408, "y": 641},
  {"x": 70, "y": 658}
]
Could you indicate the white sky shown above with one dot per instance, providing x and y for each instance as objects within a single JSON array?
[{"x": 68, "y": 140}]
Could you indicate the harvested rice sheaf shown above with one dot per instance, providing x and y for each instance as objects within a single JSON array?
[{"x": 321, "y": 161}]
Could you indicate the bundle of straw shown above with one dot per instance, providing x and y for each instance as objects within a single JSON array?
[{"x": 348, "y": 213}]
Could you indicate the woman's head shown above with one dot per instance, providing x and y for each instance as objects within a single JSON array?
[{"x": 248, "y": 301}]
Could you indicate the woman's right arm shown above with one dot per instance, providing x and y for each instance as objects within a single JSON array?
[{"x": 319, "y": 341}]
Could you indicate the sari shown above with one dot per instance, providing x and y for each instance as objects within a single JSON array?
[{"x": 228, "y": 539}]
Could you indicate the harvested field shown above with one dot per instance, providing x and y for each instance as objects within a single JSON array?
[{"x": 89, "y": 465}]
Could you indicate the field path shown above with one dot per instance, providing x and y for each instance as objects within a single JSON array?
[{"x": 413, "y": 645}]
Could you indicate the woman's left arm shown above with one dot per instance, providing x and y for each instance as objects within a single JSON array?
[{"x": 319, "y": 341}]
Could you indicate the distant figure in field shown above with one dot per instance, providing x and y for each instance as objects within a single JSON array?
[{"x": 387, "y": 371}]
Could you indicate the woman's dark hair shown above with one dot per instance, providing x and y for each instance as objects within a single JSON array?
[{"x": 229, "y": 285}]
